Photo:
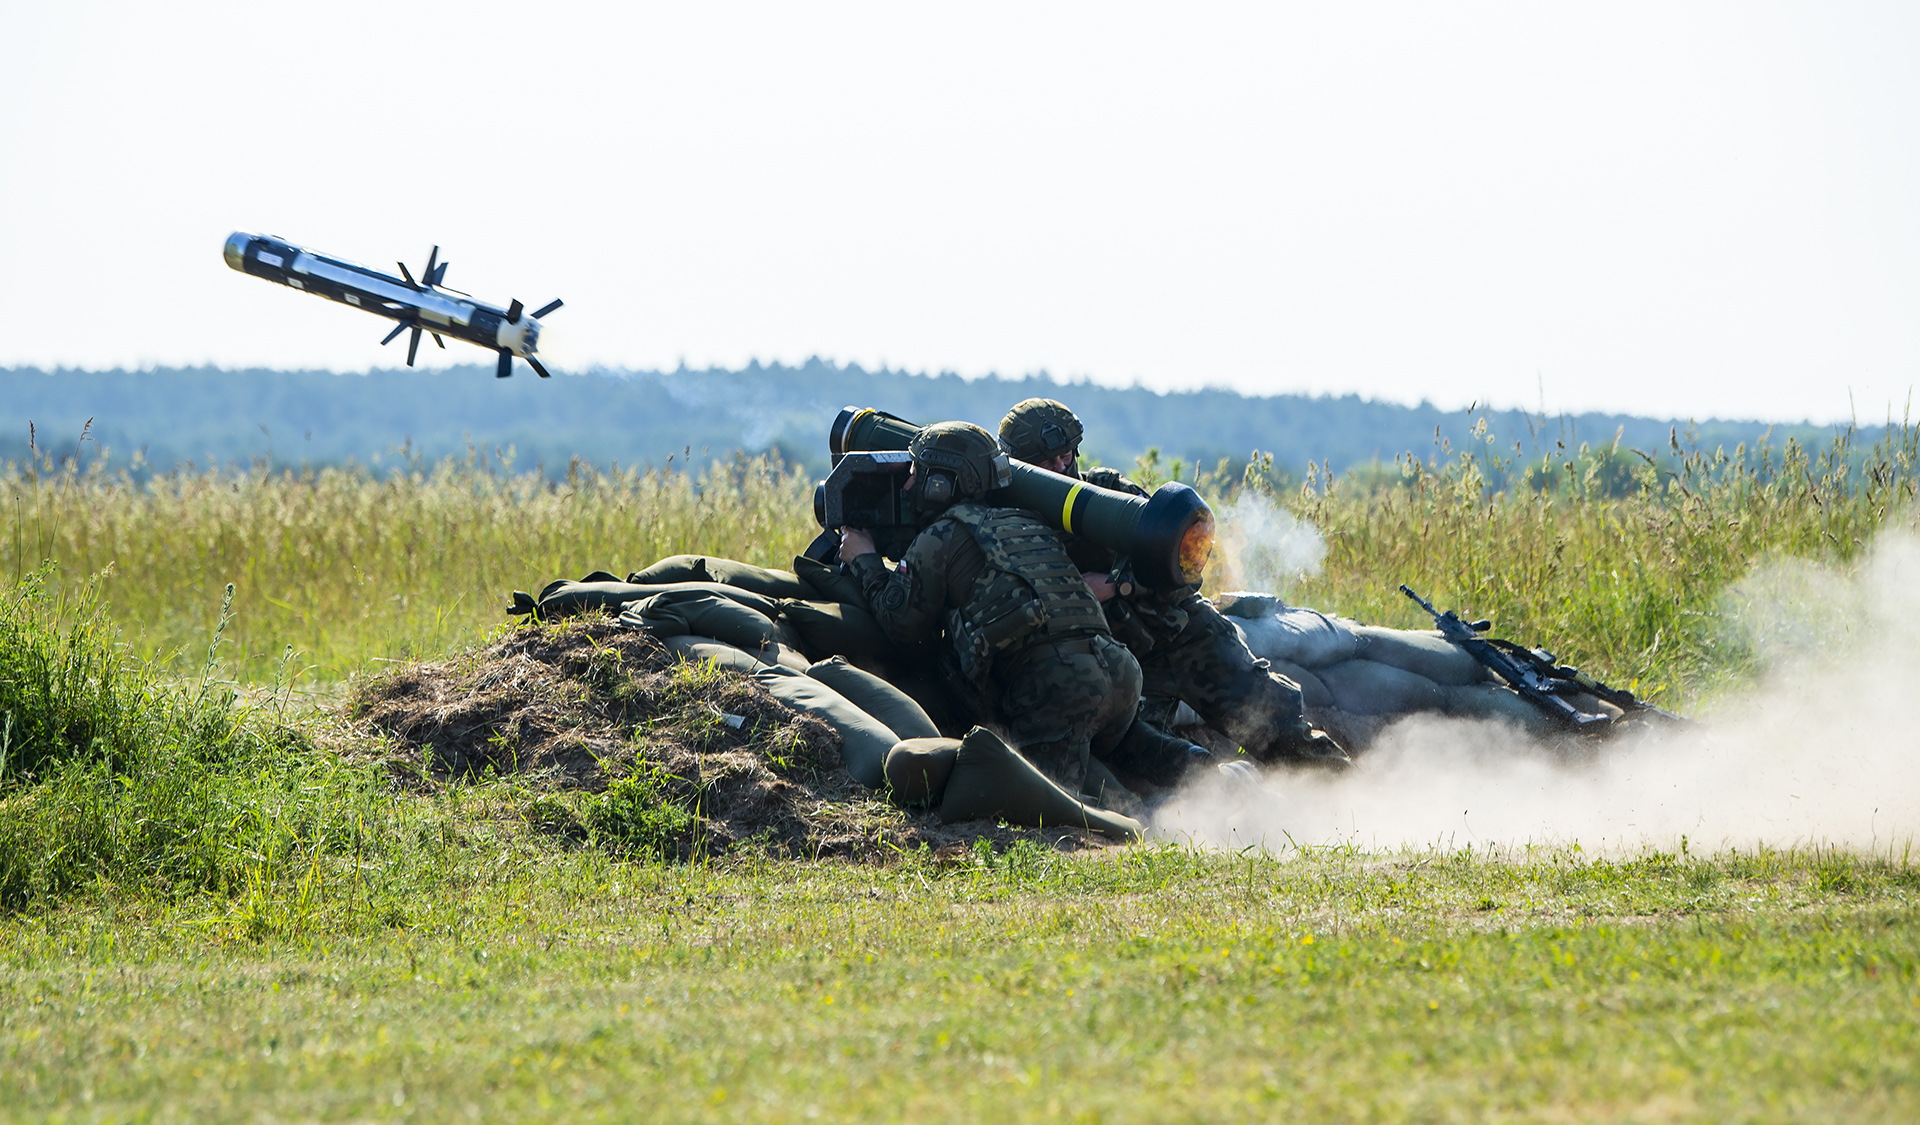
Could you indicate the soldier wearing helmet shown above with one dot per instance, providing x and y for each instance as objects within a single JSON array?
[
  {"x": 1025, "y": 638},
  {"x": 1187, "y": 651}
]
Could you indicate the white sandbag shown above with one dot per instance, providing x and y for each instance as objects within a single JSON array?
[
  {"x": 1313, "y": 693},
  {"x": 1305, "y": 637},
  {"x": 1366, "y": 687},
  {"x": 1423, "y": 652},
  {"x": 1491, "y": 701}
]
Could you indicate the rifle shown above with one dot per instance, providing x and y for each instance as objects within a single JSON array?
[{"x": 1537, "y": 675}]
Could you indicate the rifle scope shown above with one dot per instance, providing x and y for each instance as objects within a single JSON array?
[{"x": 1169, "y": 535}]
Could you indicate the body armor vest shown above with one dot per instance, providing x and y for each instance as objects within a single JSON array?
[{"x": 1028, "y": 592}]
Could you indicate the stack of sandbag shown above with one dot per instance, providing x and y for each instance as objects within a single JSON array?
[
  {"x": 1367, "y": 670},
  {"x": 818, "y": 612},
  {"x": 801, "y": 635}
]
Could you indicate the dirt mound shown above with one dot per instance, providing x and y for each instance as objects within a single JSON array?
[{"x": 585, "y": 707}]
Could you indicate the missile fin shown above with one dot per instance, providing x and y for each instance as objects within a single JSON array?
[
  {"x": 413, "y": 345},
  {"x": 397, "y": 329},
  {"x": 506, "y": 365},
  {"x": 514, "y": 310},
  {"x": 439, "y": 275},
  {"x": 427, "y": 275},
  {"x": 438, "y": 340},
  {"x": 406, "y": 274},
  {"x": 547, "y": 308},
  {"x": 535, "y": 364}
]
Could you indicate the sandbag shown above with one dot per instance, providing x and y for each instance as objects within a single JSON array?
[
  {"x": 691, "y": 648},
  {"x": 1366, "y": 687},
  {"x": 917, "y": 770},
  {"x": 786, "y": 634},
  {"x": 1313, "y": 693},
  {"x": 1422, "y": 652},
  {"x": 829, "y": 582},
  {"x": 727, "y": 572},
  {"x": 681, "y": 612},
  {"x": 866, "y": 739},
  {"x": 564, "y": 598},
  {"x": 990, "y": 779},
  {"x": 1305, "y": 637},
  {"x": 1492, "y": 701},
  {"x": 876, "y": 697},
  {"x": 773, "y": 652},
  {"x": 835, "y": 629}
]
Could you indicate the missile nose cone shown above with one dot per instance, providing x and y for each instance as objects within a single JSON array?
[{"x": 236, "y": 251}]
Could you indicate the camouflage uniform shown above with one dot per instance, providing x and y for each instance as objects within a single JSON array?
[
  {"x": 1188, "y": 651},
  {"x": 1063, "y": 690}
]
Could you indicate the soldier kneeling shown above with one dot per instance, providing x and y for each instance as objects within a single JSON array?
[{"x": 1027, "y": 642}]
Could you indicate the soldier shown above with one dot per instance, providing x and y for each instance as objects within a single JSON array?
[
  {"x": 1186, "y": 649},
  {"x": 1026, "y": 639}
]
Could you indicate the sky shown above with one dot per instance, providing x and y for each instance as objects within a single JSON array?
[{"x": 1701, "y": 210}]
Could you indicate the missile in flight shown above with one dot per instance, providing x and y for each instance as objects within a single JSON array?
[{"x": 424, "y": 305}]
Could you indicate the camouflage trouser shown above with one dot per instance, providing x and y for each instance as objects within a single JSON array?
[
  {"x": 1062, "y": 703},
  {"x": 1207, "y": 665}
]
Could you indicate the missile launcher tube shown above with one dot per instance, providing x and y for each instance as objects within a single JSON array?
[{"x": 1168, "y": 535}]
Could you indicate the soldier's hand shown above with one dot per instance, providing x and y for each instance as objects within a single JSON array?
[
  {"x": 1101, "y": 585},
  {"x": 855, "y": 542}
]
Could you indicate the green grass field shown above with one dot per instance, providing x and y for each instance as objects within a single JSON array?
[
  {"x": 218, "y": 905},
  {"x": 1137, "y": 985}
]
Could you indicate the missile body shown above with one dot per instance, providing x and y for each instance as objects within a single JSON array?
[
  {"x": 422, "y": 305},
  {"x": 1168, "y": 536}
]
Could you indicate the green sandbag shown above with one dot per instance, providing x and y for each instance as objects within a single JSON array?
[
  {"x": 917, "y": 770},
  {"x": 876, "y": 697},
  {"x": 1367, "y": 687},
  {"x": 866, "y": 739},
  {"x": 564, "y": 598},
  {"x": 1313, "y": 693},
  {"x": 691, "y": 649},
  {"x": 727, "y": 572},
  {"x": 833, "y": 629},
  {"x": 990, "y": 779},
  {"x": 1422, "y": 652},
  {"x": 829, "y": 582},
  {"x": 773, "y": 652},
  {"x": 681, "y": 612},
  {"x": 790, "y": 636}
]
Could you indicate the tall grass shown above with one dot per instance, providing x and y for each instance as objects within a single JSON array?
[
  {"x": 121, "y": 772},
  {"x": 349, "y": 567},
  {"x": 1618, "y": 559}
]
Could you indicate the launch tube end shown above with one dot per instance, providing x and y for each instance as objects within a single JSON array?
[
  {"x": 1174, "y": 539},
  {"x": 236, "y": 249}
]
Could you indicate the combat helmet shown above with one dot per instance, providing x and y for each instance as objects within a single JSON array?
[
  {"x": 1040, "y": 429},
  {"x": 956, "y": 461}
]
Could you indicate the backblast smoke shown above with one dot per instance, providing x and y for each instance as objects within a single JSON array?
[{"x": 1824, "y": 749}]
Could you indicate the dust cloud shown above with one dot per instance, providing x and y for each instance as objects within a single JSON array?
[{"x": 1823, "y": 749}]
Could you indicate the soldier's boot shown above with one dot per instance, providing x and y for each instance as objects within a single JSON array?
[
  {"x": 1302, "y": 743},
  {"x": 1161, "y": 758},
  {"x": 990, "y": 779}
]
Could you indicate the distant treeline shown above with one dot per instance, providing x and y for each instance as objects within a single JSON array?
[{"x": 204, "y": 416}]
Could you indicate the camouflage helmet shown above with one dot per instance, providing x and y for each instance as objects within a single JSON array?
[
  {"x": 1040, "y": 429},
  {"x": 956, "y": 461}
]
